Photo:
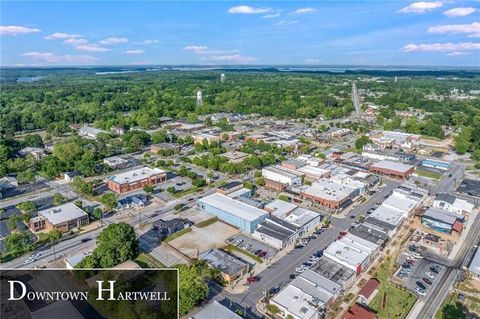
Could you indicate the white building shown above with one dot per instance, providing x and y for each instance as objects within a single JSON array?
[
  {"x": 281, "y": 175},
  {"x": 310, "y": 160},
  {"x": 453, "y": 204},
  {"x": 90, "y": 132},
  {"x": 305, "y": 296},
  {"x": 351, "y": 255}
]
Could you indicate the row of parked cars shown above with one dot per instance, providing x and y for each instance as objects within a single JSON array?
[{"x": 32, "y": 258}]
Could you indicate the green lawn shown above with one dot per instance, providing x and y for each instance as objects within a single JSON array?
[
  {"x": 231, "y": 247},
  {"x": 428, "y": 174},
  {"x": 145, "y": 260},
  {"x": 207, "y": 222},
  {"x": 399, "y": 301},
  {"x": 178, "y": 234},
  {"x": 451, "y": 308}
]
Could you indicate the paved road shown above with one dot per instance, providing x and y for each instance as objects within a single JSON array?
[
  {"x": 436, "y": 297},
  {"x": 277, "y": 275},
  {"x": 450, "y": 181}
]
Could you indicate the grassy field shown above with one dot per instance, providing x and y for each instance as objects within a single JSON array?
[
  {"x": 207, "y": 222},
  {"x": 231, "y": 247},
  {"x": 452, "y": 308},
  {"x": 428, "y": 174},
  {"x": 144, "y": 260},
  {"x": 399, "y": 301},
  {"x": 178, "y": 234}
]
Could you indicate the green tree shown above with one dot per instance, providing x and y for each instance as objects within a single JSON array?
[
  {"x": 27, "y": 207},
  {"x": 13, "y": 221},
  {"x": 148, "y": 188},
  {"x": 116, "y": 244},
  {"x": 361, "y": 141},
  {"x": 58, "y": 199},
  {"x": 97, "y": 213},
  {"x": 109, "y": 200},
  {"x": 17, "y": 243},
  {"x": 171, "y": 190},
  {"x": 283, "y": 197},
  {"x": 192, "y": 285},
  {"x": 54, "y": 235},
  {"x": 81, "y": 187}
]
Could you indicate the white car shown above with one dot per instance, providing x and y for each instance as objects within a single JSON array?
[
  {"x": 420, "y": 291},
  {"x": 35, "y": 256},
  {"x": 429, "y": 274},
  {"x": 28, "y": 261}
]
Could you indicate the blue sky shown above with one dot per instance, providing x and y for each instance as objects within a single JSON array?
[{"x": 439, "y": 33}]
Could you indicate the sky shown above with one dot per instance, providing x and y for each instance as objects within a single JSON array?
[{"x": 422, "y": 33}]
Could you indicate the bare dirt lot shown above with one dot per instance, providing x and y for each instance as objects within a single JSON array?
[{"x": 202, "y": 239}]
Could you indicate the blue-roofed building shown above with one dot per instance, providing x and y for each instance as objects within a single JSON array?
[
  {"x": 232, "y": 211},
  {"x": 437, "y": 164}
]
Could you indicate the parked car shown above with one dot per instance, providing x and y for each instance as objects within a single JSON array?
[
  {"x": 84, "y": 240},
  {"x": 427, "y": 281},
  {"x": 420, "y": 291},
  {"x": 262, "y": 254},
  {"x": 252, "y": 279},
  {"x": 257, "y": 252},
  {"x": 434, "y": 270},
  {"x": 429, "y": 274},
  {"x": 299, "y": 246},
  {"x": 293, "y": 276},
  {"x": 421, "y": 285}
]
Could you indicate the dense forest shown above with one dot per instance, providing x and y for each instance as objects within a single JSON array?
[{"x": 57, "y": 98}]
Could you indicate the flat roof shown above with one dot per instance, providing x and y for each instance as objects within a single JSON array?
[
  {"x": 388, "y": 214},
  {"x": 136, "y": 175},
  {"x": 329, "y": 189},
  {"x": 394, "y": 166},
  {"x": 275, "y": 231},
  {"x": 233, "y": 206},
  {"x": 280, "y": 171},
  {"x": 60, "y": 214},
  {"x": 280, "y": 207},
  {"x": 301, "y": 216},
  {"x": 359, "y": 243},
  {"x": 441, "y": 215},
  {"x": 313, "y": 170},
  {"x": 400, "y": 203},
  {"x": 475, "y": 263},
  {"x": 215, "y": 310},
  {"x": 219, "y": 259},
  {"x": 369, "y": 233},
  {"x": 347, "y": 253},
  {"x": 333, "y": 271},
  {"x": 306, "y": 294}
]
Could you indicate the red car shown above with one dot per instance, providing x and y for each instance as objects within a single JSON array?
[
  {"x": 252, "y": 279},
  {"x": 262, "y": 254}
]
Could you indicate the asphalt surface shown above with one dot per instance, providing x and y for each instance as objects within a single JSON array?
[
  {"x": 439, "y": 292},
  {"x": 278, "y": 274}
]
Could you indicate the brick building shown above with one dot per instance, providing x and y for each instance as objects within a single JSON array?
[{"x": 135, "y": 179}]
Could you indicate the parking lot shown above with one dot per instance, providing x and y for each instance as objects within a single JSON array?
[
  {"x": 418, "y": 274},
  {"x": 252, "y": 245},
  {"x": 202, "y": 239}
]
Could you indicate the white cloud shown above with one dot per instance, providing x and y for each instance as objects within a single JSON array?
[
  {"x": 286, "y": 22},
  {"x": 248, "y": 10},
  {"x": 75, "y": 41},
  {"x": 213, "y": 55},
  {"x": 91, "y": 48},
  {"x": 455, "y": 53},
  {"x": 460, "y": 12},
  {"x": 147, "y": 42},
  {"x": 16, "y": 29},
  {"x": 233, "y": 58},
  {"x": 113, "y": 41},
  {"x": 270, "y": 16},
  {"x": 60, "y": 59},
  {"x": 421, "y": 7},
  {"x": 442, "y": 47},
  {"x": 61, "y": 36},
  {"x": 204, "y": 50},
  {"x": 312, "y": 60},
  {"x": 304, "y": 10},
  {"x": 133, "y": 51},
  {"x": 472, "y": 30}
]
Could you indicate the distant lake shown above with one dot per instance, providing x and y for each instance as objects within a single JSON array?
[{"x": 28, "y": 79}]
